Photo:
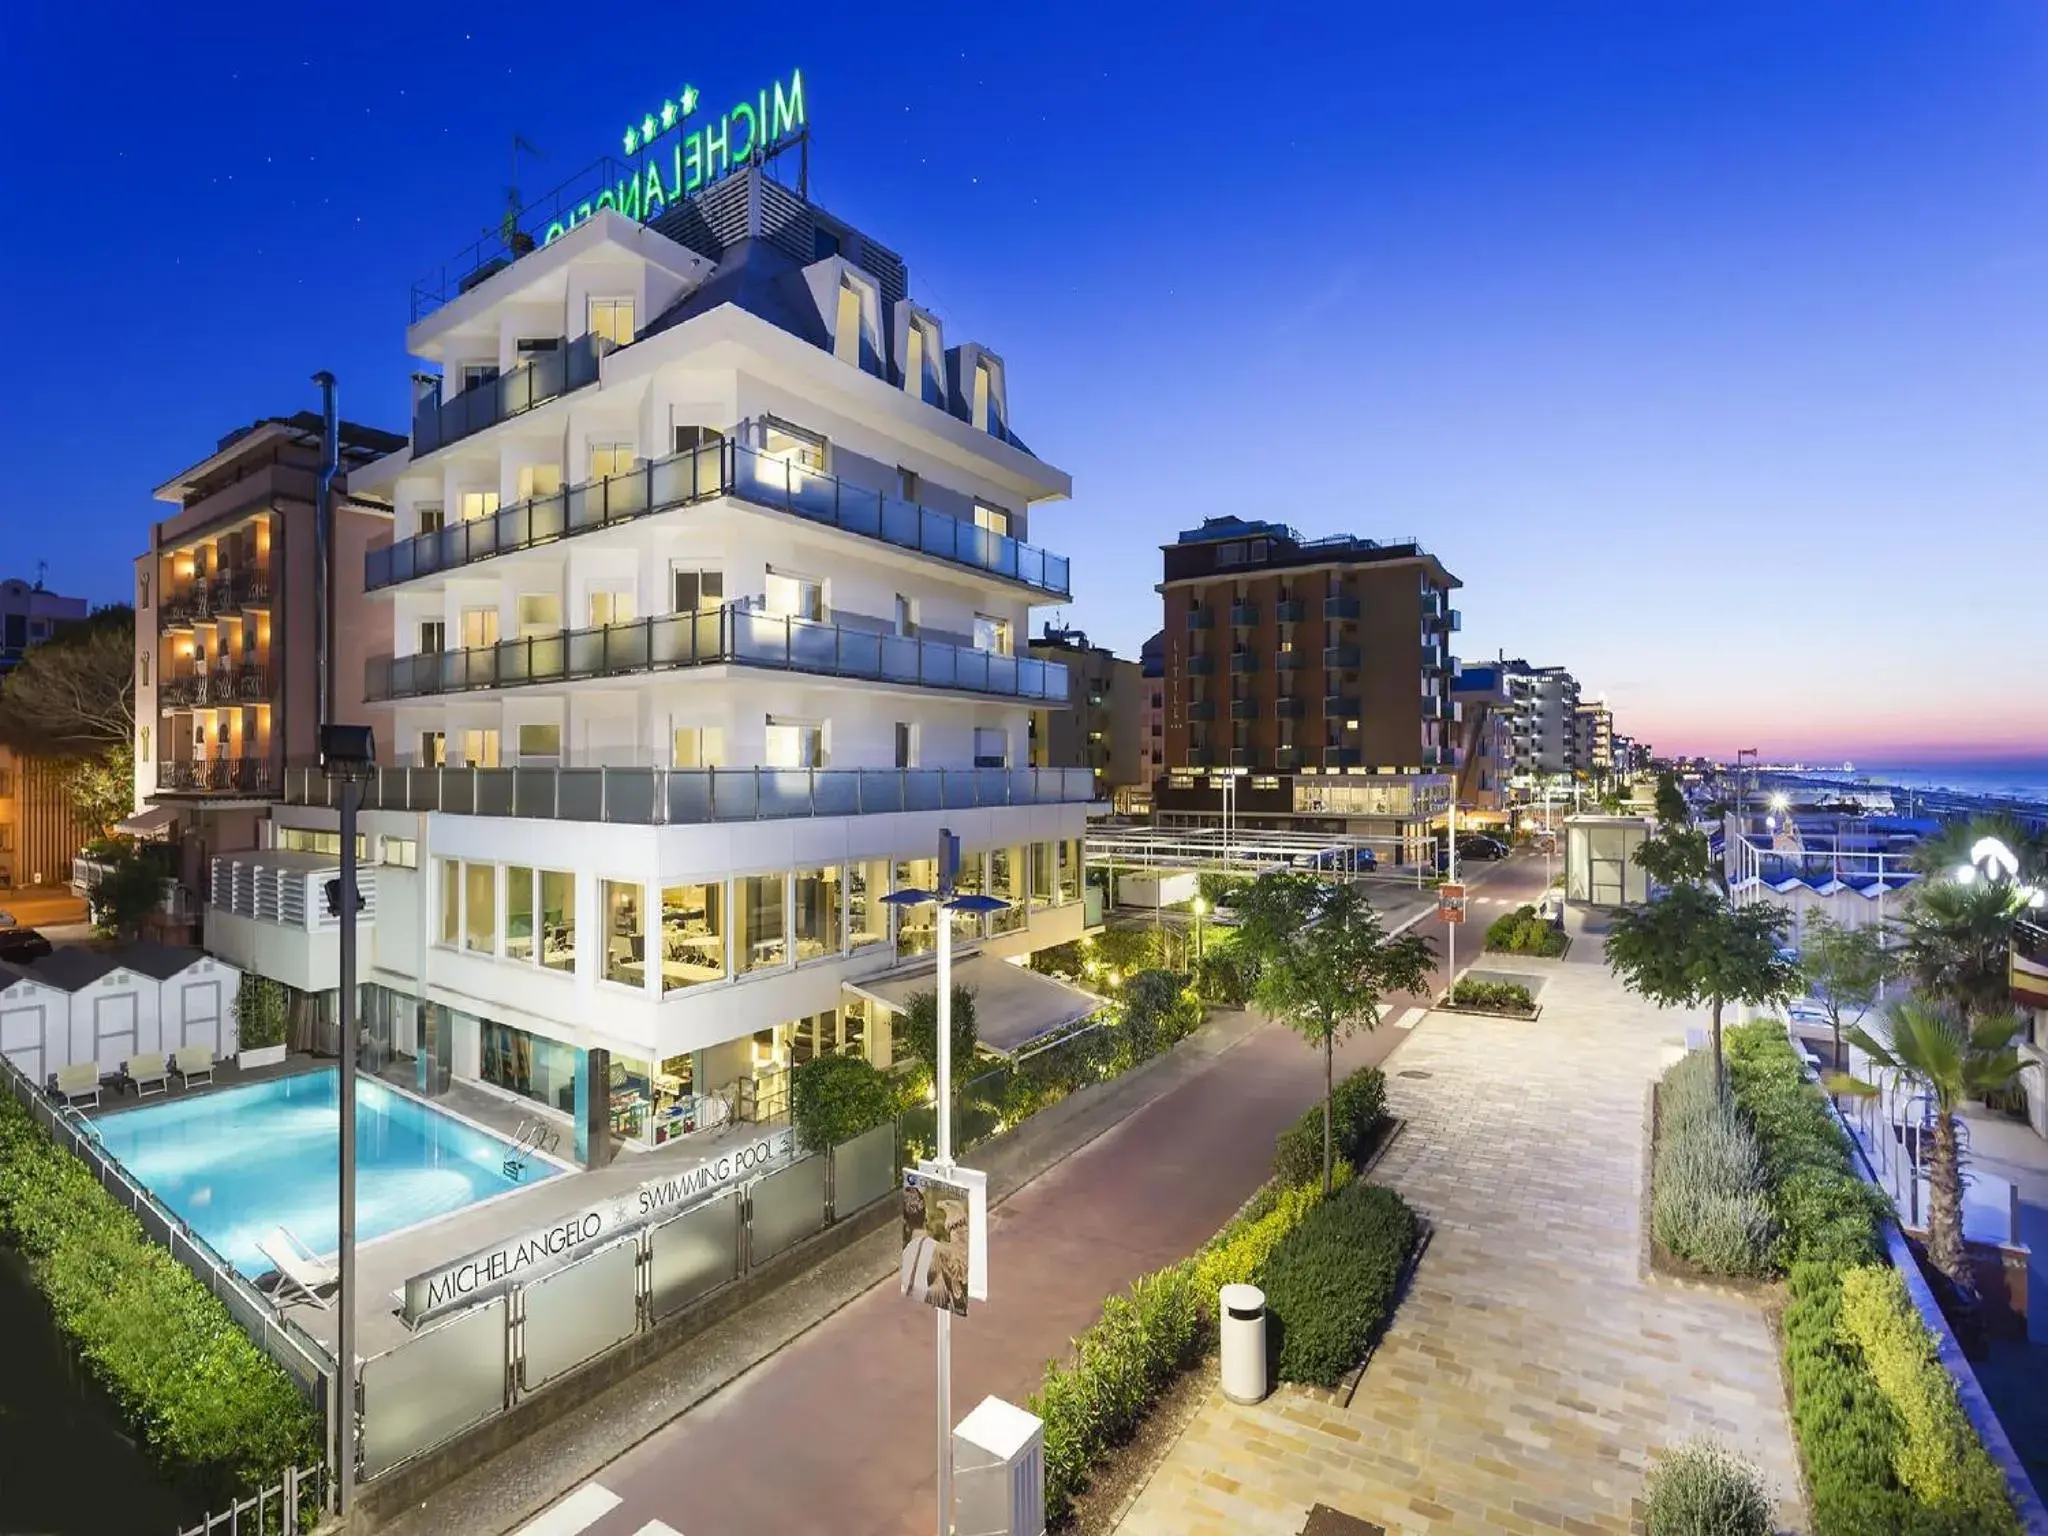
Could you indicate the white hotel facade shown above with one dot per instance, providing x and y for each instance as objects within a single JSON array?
[{"x": 706, "y": 611}]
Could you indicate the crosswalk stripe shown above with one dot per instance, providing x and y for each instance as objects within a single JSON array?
[
  {"x": 578, "y": 1512},
  {"x": 1407, "y": 1018},
  {"x": 657, "y": 1528}
]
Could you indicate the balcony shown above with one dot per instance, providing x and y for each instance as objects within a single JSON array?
[
  {"x": 704, "y": 474},
  {"x": 237, "y": 775},
  {"x": 1342, "y": 757},
  {"x": 1201, "y": 665},
  {"x": 1339, "y": 706},
  {"x": 1244, "y": 661},
  {"x": 211, "y": 690},
  {"x": 1340, "y": 607},
  {"x": 545, "y": 376},
  {"x": 1290, "y": 707},
  {"x": 1337, "y": 656},
  {"x": 1290, "y": 661},
  {"x": 1201, "y": 618},
  {"x": 734, "y": 636},
  {"x": 1244, "y": 615},
  {"x": 1287, "y": 757},
  {"x": 685, "y": 796},
  {"x": 1244, "y": 709},
  {"x": 2028, "y": 964},
  {"x": 1202, "y": 709},
  {"x": 1289, "y": 612},
  {"x": 1242, "y": 757}
]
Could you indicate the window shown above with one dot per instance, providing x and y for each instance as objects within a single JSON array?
[
  {"x": 1041, "y": 874},
  {"x": 450, "y": 874},
  {"x": 916, "y": 926},
  {"x": 794, "y": 744},
  {"x": 794, "y": 596},
  {"x": 991, "y": 634},
  {"x": 608, "y": 459},
  {"x": 697, "y": 590},
  {"x": 697, "y": 746},
  {"x": 476, "y": 375},
  {"x": 610, "y": 605},
  {"x": 793, "y": 446},
  {"x": 906, "y": 479},
  {"x": 625, "y": 934},
  {"x": 992, "y": 519},
  {"x": 480, "y": 907},
  {"x": 913, "y": 359},
  {"x": 1070, "y": 870},
  {"x": 557, "y": 920},
  {"x": 539, "y": 480},
  {"x": 478, "y": 504},
  {"x": 816, "y": 912},
  {"x": 1006, "y": 876},
  {"x": 906, "y": 744},
  {"x": 906, "y": 615},
  {"x": 613, "y": 320},
  {"x": 991, "y": 747},
  {"x": 433, "y": 749},
  {"x": 518, "y": 913},
  {"x": 846, "y": 323},
  {"x": 688, "y": 438},
  {"x": 431, "y": 516},
  {"x": 762, "y": 938},
  {"x": 692, "y": 935},
  {"x": 540, "y": 614},
  {"x": 433, "y": 637},
  {"x": 143, "y": 662},
  {"x": 479, "y": 627},
  {"x": 987, "y": 403},
  {"x": 540, "y": 741},
  {"x": 480, "y": 749},
  {"x": 532, "y": 1066},
  {"x": 867, "y": 915},
  {"x": 400, "y": 852}
]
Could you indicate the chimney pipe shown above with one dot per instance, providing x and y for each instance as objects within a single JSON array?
[{"x": 323, "y": 549}]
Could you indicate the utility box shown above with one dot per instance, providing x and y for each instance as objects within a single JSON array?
[
  {"x": 999, "y": 1472},
  {"x": 1242, "y": 1320}
]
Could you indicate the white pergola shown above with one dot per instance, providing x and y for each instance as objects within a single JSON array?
[{"x": 1236, "y": 850}]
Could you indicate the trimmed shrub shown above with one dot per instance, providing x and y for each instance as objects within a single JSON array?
[
  {"x": 1522, "y": 932},
  {"x": 1708, "y": 1204},
  {"x": 1330, "y": 1282},
  {"x": 210, "y": 1406},
  {"x": 1938, "y": 1458},
  {"x": 1507, "y": 996},
  {"x": 1357, "y": 1107},
  {"x": 1159, "y": 1011},
  {"x": 1704, "y": 1489},
  {"x": 835, "y": 1098}
]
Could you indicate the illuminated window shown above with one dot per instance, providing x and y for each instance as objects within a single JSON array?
[
  {"x": 480, "y": 907},
  {"x": 697, "y": 746},
  {"x": 450, "y": 873},
  {"x": 540, "y": 613},
  {"x": 611, "y": 605},
  {"x": 613, "y": 320},
  {"x": 846, "y": 323},
  {"x": 794, "y": 446},
  {"x": 479, "y": 627},
  {"x": 692, "y": 935},
  {"x": 557, "y": 920},
  {"x": 480, "y": 749},
  {"x": 994, "y": 519},
  {"x": 539, "y": 480},
  {"x": 794, "y": 596},
  {"x": 518, "y": 913},
  {"x": 761, "y": 939},
  {"x": 476, "y": 504},
  {"x": 433, "y": 749},
  {"x": 815, "y": 917},
  {"x": 991, "y": 634},
  {"x": 794, "y": 744},
  {"x": 608, "y": 459},
  {"x": 625, "y": 933},
  {"x": 867, "y": 915},
  {"x": 540, "y": 741}
]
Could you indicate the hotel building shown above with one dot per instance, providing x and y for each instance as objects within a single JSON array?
[
  {"x": 1544, "y": 704},
  {"x": 1099, "y": 728},
  {"x": 1593, "y": 740},
  {"x": 705, "y": 614}
]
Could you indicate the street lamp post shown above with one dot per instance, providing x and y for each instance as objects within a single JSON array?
[
  {"x": 947, "y": 903},
  {"x": 1201, "y": 906}
]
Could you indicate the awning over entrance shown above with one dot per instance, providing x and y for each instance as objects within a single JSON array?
[
  {"x": 1012, "y": 1006},
  {"x": 150, "y": 821}
]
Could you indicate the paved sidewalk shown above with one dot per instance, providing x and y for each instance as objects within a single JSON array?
[{"x": 1531, "y": 1370}]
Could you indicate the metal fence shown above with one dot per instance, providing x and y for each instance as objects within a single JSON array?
[
  {"x": 281, "y": 1509},
  {"x": 480, "y": 1362}
]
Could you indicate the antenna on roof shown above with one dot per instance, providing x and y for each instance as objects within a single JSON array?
[{"x": 42, "y": 570}]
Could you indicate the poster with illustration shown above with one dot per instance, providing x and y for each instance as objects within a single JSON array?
[{"x": 934, "y": 1264}]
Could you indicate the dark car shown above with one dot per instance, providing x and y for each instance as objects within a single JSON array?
[
  {"x": 1480, "y": 846},
  {"x": 21, "y": 945}
]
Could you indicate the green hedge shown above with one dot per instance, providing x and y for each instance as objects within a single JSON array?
[
  {"x": 833, "y": 1099},
  {"x": 1357, "y": 1107},
  {"x": 1522, "y": 932},
  {"x": 1505, "y": 995},
  {"x": 1708, "y": 1202},
  {"x": 1330, "y": 1282},
  {"x": 1853, "y": 1435},
  {"x": 212, "y": 1408}
]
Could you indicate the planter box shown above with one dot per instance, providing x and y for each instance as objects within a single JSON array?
[
  {"x": 259, "y": 1056},
  {"x": 1445, "y": 1005}
]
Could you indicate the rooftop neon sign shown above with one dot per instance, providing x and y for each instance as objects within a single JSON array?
[{"x": 746, "y": 132}]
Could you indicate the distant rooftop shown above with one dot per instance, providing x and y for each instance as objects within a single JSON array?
[{"x": 359, "y": 446}]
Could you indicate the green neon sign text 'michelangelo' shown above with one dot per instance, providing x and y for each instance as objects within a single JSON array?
[{"x": 700, "y": 157}]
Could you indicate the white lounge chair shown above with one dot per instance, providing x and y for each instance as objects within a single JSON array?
[
  {"x": 80, "y": 1080},
  {"x": 147, "y": 1073},
  {"x": 299, "y": 1269},
  {"x": 190, "y": 1063}
]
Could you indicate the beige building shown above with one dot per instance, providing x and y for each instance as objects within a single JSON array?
[{"x": 1102, "y": 725}]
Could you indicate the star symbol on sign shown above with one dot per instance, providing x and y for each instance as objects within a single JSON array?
[
  {"x": 647, "y": 128},
  {"x": 632, "y": 139},
  {"x": 689, "y": 99},
  {"x": 668, "y": 116}
]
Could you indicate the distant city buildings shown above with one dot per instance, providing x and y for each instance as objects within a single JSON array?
[
  {"x": 29, "y": 615},
  {"x": 1151, "y": 724},
  {"x": 1101, "y": 727},
  {"x": 1486, "y": 762},
  {"x": 1543, "y": 707},
  {"x": 1593, "y": 740}
]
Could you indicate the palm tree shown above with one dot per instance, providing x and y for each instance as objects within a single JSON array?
[
  {"x": 1956, "y": 941},
  {"x": 1955, "y": 1059},
  {"x": 1949, "y": 849}
]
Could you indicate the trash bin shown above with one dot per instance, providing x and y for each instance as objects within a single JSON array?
[{"x": 1243, "y": 1326}]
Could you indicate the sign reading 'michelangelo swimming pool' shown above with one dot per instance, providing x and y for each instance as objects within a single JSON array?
[
  {"x": 695, "y": 159},
  {"x": 526, "y": 1256}
]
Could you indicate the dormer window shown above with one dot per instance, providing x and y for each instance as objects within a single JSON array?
[
  {"x": 984, "y": 396},
  {"x": 846, "y": 324},
  {"x": 856, "y": 323},
  {"x": 921, "y": 360},
  {"x": 612, "y": 319}
]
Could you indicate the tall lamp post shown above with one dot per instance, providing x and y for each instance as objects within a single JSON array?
[
  {"x": 947, "y": 902},
  {"x": 1201, "y": 906}
]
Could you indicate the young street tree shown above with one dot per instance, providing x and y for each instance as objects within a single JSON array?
[
  {"x": 1844, "y": 969},
  {"x": 1671, "y": 808},
  {"x": 1325, "y": 979}
]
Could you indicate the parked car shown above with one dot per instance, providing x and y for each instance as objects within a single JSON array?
[
  {"x": 21, "y": 945},
  {"x": 1481, "y": 845}
]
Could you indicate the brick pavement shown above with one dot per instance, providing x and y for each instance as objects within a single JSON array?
[{"x": 1531, "y": 1370}]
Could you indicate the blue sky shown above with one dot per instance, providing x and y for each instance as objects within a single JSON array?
[{"x": 1704, "y": 342}]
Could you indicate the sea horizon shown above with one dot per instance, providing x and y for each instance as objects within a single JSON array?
[{"x": 2003, "y": 779}]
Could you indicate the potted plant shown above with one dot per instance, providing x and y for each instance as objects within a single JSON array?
[{"x": 259, "y": 1022}]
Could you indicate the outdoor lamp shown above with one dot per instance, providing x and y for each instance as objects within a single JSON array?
[{"x": 1201, "y": 906}]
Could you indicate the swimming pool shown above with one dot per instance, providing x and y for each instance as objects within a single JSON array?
[{"x": 236, "y": 1163}]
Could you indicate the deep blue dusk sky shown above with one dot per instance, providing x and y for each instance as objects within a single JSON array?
[{"x": 1708, "y": 343}]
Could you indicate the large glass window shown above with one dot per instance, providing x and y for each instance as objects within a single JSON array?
[
  {"x": 1006, "y": 881},
  {"x": 480, "y": 907},
  {"x": 610, "y": 459},
  {"x": 794, "y": 744},
  {"x": 613, "y": 320},
  {"x": 816, "y": 914},
  {"x": 450, "y": 872},
  {"x": 540, "y": 614},
  {"x": 762, "y": 941},
  {"x": 478, "y": 504},
  {"x": 916, "y": 927},
  {"x": 537, "y": 741},
  {"x": 692, "y": 935},
  {"x": 697, "y": 590},
  {"x": 1070, "y": 870},
  {"x": 625, "y": 933},
  {"x": 697, "y": 746},
  {"x": 529, "y": 1065},
  {"x": 518, "y": 912},
  {"x": 972, "y": 881},
  {"x": 1041, "y": 874},
  {"x": 794, "y": 446},
  {"x": 557, "y": 920},
  {"x": 867, "y": 915},
  {"x": 991, "y": 634},
  {"x": 817, "y": 1035},
  {"x": 794, "y": 596}
]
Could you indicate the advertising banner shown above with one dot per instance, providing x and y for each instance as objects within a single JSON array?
[{"x": 937, "y": 1239}]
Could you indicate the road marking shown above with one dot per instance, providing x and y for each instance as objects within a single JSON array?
[
  {"x": 657, "y": 1528},
  {"x": 578, "y": 1512},
  {"x": 1407, "y": 1018}
]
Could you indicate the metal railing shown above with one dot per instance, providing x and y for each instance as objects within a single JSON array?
[
  {"x": 734, "y": 634},
  {"x": 248, "y": 775},
  {"x": 688, "y": 796},
  {"x": 539, "y": 378},
  {"x": 704, "y": 474},
  {"x": 283, "y": 1508}
]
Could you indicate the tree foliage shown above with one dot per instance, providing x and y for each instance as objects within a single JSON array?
[
  {"x": 127, "y": 890},
  {"x": 74, "y": 695},
  {"x": 1677, "y": 855},
  {"x": 1949, "y": 849},
  {"x": 921, "y": 1030},
  {"x": 1671, "y": 807},
  {"x": 1956, "y": 941},
  {"x": 833, "y": 1099},
  {"x": 1844, "y": 969}
]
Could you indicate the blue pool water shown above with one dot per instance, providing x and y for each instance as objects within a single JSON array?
[{"x": 237, "y": 1163}]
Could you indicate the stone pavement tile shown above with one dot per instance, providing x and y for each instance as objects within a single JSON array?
[{"x": 1530, "y": 1373}]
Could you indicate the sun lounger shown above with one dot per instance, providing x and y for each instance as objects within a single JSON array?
[
  {"x": 191, "y": 1063},
  {"x": 80, "y": 1080},
  {"x": 147, "y": 1073},
  {"x": 299, "y": 1270}
]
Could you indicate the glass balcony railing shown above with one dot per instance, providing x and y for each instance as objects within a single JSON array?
[
  {"x": 735, "y": 635},
  {"x": 665, "y": 796},
  {"x": 544, "y": 376},
  {"x": 703, "y": 474}
]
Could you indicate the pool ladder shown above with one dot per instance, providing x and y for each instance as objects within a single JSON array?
[{"x": 534, "y": 1136}]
